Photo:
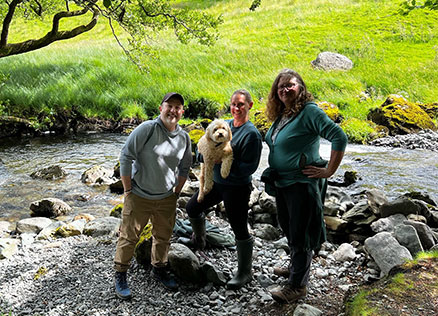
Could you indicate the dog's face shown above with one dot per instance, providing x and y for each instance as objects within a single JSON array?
[{"x": 219, "y": 131}]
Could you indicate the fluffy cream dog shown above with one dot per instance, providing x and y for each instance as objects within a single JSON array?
[{"x": 214, "y": 146}]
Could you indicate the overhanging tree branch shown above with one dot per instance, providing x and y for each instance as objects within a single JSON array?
[{"x": 53, "y": 35}]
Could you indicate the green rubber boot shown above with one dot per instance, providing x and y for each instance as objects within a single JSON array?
[
  {"x": 244, "y": 264},
  {"x": 198, "y": 240}
]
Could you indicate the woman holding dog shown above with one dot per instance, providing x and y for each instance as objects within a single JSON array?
[
  {"x": 234, "y": 190},
  {"x": 300, "y": 174}
]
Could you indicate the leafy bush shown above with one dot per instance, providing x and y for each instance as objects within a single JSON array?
[{"x": 202, "y": 108}]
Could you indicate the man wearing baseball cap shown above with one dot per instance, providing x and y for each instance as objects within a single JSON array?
[{"x": 154, "y": 164}]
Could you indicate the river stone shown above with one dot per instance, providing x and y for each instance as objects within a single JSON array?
[
  {"x": 71, "y": 229},
  {"x": 266, "y": 231},
  {"x": 376, "y": 198},
  {"x": 332, "y": 61},
  {"x": 307, "y": 310},
  {"x": 359, "y": 211},
  {"x": 417, "y": 218},
  {"x": 97, "y": 175},
  {"x": 8, "y": 247},
  {"x": 387, "y": 224},
  {"x": 267, "y": 203},
  {"x": 27, "y": 239},
  {"x": 401, "y": 205},
  {"x": 33, "y": 224},
  {"x": 117, "y": 211},
  {"x": 189, "y": 188},
  {"x": 335, "y": 223},
  {"x": 424, "y": 233},
  {"x": 85, "y": 216},
  {"x": 264, "y": 218},
  {"x": 212, "y": 274},
  {"x": 49, "y": 173},
  {"x": 49, "y": 207},
  {"x": 102, "y": 226},
  {"x": 116, "y": 187},
  {"x": 345, "y": 252},
  {"x": 49, "y": 231},
  {"x": 184, "y": 263},
  {"x": 407, "y": 236},
  {"x": 282, "y": 244},
  {"x": 386, "y": 251},
  {"x": 421, "y": 196}
]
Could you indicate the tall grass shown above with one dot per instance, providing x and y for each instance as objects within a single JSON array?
[{"x": 391, "y": 54}]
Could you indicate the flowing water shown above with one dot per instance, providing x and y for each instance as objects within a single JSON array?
[{"x": 394, "y": 170}]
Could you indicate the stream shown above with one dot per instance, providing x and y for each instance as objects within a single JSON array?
[{"x": 393, "y": 170}]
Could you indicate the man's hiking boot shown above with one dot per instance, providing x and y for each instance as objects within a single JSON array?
[
  {"x": 288, "y": 294},
  {"x": 163, "y": 275},
  {"x": 282, "y": 272},
  {"x": 121, "y": 286}
]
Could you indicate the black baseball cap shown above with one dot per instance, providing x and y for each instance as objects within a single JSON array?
[{"x": 175, "y": 95}]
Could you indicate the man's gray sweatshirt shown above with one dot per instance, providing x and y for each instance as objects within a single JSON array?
[{"x": 154, "y": 157}]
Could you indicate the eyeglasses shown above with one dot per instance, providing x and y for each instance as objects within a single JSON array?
[{"x": 288, "y": 86}]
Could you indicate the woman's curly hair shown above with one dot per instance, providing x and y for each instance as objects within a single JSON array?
[{"x": 275, "y": 107}]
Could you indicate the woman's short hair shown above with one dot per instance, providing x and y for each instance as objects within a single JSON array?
[
  {"x": 247, "y": 95},
  {"x": 275, "y": 107}
]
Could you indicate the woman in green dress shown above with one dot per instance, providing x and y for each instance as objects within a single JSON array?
[{"x": 300, "y": 174}]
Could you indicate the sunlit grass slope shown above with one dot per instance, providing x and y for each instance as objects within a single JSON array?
[{"x": 391, "y": 54}]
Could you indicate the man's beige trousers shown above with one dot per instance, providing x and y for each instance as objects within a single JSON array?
[{"x": 137, "y": 212}]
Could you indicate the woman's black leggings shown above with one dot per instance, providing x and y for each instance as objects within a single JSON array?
[{"x": 235, "y": 197}]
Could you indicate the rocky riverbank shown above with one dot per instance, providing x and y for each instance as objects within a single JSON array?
[{"x": 63, "y": 266}]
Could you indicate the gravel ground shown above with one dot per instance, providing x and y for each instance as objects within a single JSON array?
[{"x": 74, "y": 276}]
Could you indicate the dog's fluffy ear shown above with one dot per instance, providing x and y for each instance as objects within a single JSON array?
[{"x": 209, "y": 131}]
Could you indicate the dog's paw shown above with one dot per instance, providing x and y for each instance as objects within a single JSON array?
[
  {"x": 225, "y": 173},
  {"x": 200, "y": 199}
]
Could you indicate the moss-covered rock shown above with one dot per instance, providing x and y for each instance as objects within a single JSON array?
[
  {"x": 331, "y": 110},
  {"x": 431, "y": 109},
  {"x": 261, "y": 122},
  {"x": 143, "y": 247},
  {"x": 401, "y": 116},
  {"x": 117, "y": 211}
]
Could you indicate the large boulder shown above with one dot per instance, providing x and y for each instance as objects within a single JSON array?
[
  {"x": 386, "y": 251},
  {"x": 407, "y": 236},
  {"x": 332, "y": 61},
  {"x": 401, "y": 116},
  {"x": 49, "y": 207},
  {"x": 33, "y": 224},
  {"x": 401, "y": 205},
  {"x": 102, "y": 226},
  {"x": 424, "y": 233},
  {"x": 387, "y": 224},
  {"x": 184, "y": 263}
]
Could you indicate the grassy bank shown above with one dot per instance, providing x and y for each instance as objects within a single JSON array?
[{"x": 391, "y": 54}]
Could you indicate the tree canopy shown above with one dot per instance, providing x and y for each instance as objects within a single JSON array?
[
  {"x": 410, "y": 5},
  {"x": 139, "y": 18}
]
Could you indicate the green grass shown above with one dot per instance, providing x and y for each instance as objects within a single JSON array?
[{"x": 391, "y": 54}]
